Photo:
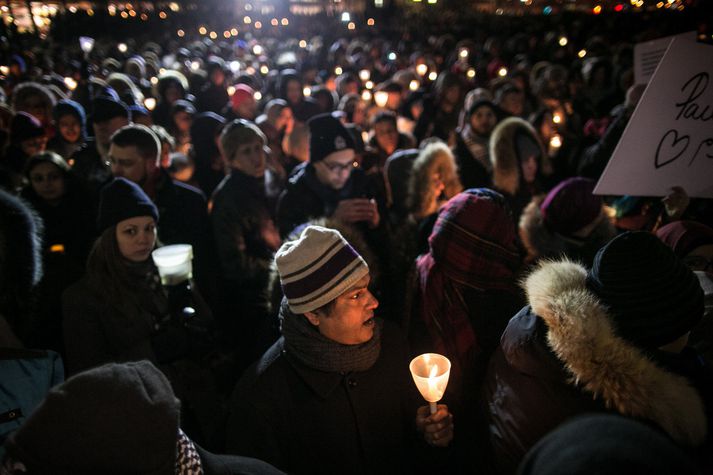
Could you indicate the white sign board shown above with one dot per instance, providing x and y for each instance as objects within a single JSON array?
[
  {"x": 669, "y": 138},
  {"x": 647, "y": 55}
]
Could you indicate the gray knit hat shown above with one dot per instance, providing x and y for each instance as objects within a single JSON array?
[{"x": 317, "y": 268}]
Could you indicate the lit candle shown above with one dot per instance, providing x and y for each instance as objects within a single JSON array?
[
  {"x": 430, "y": 372},
  {"x": 381, "y": 98}
]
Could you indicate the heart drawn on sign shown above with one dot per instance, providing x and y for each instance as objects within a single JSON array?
[{"x": 670, "y": 148}]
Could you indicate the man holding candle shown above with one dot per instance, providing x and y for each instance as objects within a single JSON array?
[{"x": 334, "y": 394}]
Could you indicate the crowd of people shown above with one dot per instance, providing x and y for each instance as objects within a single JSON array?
[{"x": 350, "y": 202}]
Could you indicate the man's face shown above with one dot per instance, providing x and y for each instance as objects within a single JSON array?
[
  {"x": 103, "y": 131},
  {"x": 351, "y": 318},
  {"x": 386, "y": 136},
  {"x": 249, "y": 158},
  {"x": 127, "y": 162},
  {"x": 246, "y": 109},
  {"x": 334, "y": 170}
]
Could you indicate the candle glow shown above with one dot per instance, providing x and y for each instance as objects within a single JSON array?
[{"x": 430, "y": 372}]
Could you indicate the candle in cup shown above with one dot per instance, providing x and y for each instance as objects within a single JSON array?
[
  {"x": 174, "y": 263},
  {"x": 430, "y": 372}
]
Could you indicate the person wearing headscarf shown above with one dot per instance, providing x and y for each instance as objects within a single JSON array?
[
  {"x": 466, "y": 287},
  {"x": 609, "y": 338}
]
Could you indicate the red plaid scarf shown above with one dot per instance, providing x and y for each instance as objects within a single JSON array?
[{"x": 473, "y": 244}]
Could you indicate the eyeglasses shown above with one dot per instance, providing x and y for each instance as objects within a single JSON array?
[
  {"x": 698, "y": 263},
  {"x": 338, "y": 167}
]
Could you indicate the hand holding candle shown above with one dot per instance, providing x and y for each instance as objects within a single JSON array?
[{"x": 430, "y": 372}]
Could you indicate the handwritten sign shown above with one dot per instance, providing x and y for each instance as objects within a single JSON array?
[
  {"x": 647, "y": 55},
  {"x": 669, "y": 138}
]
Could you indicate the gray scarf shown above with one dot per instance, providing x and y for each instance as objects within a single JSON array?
[{"x": 304, "y": 342}]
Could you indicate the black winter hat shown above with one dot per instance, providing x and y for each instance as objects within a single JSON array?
[
  {"x": 603, "y": 443},
  {"x": 653, "y": 297},
  {"x": 115, "y": 419},
  {"x": 24, "y": 127},
  {"x": 106, "y": 107},
  {"x": 327, "y": 135},
  {"x": 123, "y": 199}
]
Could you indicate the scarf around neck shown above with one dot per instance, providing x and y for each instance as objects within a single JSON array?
[{"x": 304, "y": 342}]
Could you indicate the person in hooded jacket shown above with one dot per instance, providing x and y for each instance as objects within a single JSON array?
[
  {"x": 520, "y": 164},
  {"x": 71, "y": 123},
  {"x": 611, "y": 338}
]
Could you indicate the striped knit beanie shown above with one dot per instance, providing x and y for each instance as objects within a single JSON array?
[
  {"x": 652, "y": 296},
  {"x": 317, "y": 268}
]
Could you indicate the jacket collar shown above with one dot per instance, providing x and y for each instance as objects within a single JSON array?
[{"x": 320, "y": 382}]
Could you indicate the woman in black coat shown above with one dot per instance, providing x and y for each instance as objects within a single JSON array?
[{"x": 120, "y": 312}]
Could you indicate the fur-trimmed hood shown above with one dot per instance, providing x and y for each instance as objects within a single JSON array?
[
  {"x": 503, "y": 155},
  {"x": 541, "y": 242},
  {"x": 582, "y": 336},
  {"x": 423, "y": 197}
]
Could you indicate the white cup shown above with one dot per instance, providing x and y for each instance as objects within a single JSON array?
[{"x": 174, "y": 263}]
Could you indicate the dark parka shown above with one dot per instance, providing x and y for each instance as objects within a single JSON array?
[
  {"x": 306, "y": 421},
  {"x": 560, "y": 357},
  {"x": 240, "y": 217}
]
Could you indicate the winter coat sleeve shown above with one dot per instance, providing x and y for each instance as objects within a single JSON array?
[{"x": 89, "y": 337}]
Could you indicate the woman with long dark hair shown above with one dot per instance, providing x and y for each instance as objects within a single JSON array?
[{"x": 120, "y": 311}]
